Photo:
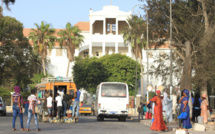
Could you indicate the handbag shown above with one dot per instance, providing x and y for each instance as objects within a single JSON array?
[{"x": 183, "y": 116}]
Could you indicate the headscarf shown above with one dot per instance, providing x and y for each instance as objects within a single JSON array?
[
  {"x": 17, "y": 91},
  {"x": 186, "y": 92}
]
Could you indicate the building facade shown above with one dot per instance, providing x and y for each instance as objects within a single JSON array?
[{"x": 102, "y": 36}]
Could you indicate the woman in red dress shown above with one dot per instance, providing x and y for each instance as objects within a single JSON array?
[{"x": 158, "y": 123}]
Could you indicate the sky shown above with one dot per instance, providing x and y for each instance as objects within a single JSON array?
[{"x": 59, "y": 12}]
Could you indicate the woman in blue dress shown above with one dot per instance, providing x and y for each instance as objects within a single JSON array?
[{"x": 185, "y": 108}]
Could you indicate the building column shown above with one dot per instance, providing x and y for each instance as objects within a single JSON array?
[
  {"x": 116, "y": 26},
  {"x": 90, "y": 49},
  {"x": 116, "y": 47},
  {"x": 103, "y": 48},
  {"x": 104, "y": 26},
  {"x": 129, "y": 51}
]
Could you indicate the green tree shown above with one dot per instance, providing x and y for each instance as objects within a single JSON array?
[
  {"x": 134, "y": 35},
  {"x": 88, "y": 73},
  {"x": 71, "y": 39},
  {"x": 121, "y": 68},
  {"x": 43, "y": 39},
  {"x": 17, "y": 59}
]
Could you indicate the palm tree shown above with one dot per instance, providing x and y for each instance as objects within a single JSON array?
[
  {"x": 71, "y": 39},
  {"x": 43, "y": 39},
  {"x": 134, "y": 35}
]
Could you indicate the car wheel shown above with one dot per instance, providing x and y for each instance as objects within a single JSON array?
[{"x": 5, "y": 113}]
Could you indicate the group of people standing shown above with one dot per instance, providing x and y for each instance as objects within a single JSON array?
[
  {"x": 61, "y": 99},
  {"x": 163, "y": 106},
  {"x": 17, "y": 109}
]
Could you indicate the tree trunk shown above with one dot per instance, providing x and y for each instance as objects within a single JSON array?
[
  {"x": 204, "y": 89},
  {"x": 67, "y": 73},
  {"x": 186, "y": 74},
  {"x": 44, "y": 68}
]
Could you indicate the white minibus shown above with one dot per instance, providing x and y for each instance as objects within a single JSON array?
[{"x": 112, "y": 101}]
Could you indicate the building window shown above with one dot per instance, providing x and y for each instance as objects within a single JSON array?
[
  {"x": 111, "y": 27},
  {"x": 85, "y": 54},
  {"x": 114, "y": 27},
  {"x": 59, "y": 52}
]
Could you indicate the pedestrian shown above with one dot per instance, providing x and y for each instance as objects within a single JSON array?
[
  {"x": 76, "y": 105},
  {"x": 185, "y": 108},
  {"x": 49, "y": 106},
  {"x": 140, "y": 111},
  {"x": 204, "y": 108},
  {"x": 66, "y": 98},
  {"x": 26, "y": 107},
  {"x": 58, "y": 99},
  {"x": 158, "y": 123},
  {"x": 31, "y": 110},
  {"x": 17, "y": 110},
  {"x": 196, "y": 108},
  {"x": 167, "y": 107}
]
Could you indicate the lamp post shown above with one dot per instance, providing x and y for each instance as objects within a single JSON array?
[
  {"x": 138, "y": 13},
  {"x": 170, "y": 4}
]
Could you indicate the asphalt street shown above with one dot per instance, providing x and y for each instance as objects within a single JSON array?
[{"x": 86, "y": 125}]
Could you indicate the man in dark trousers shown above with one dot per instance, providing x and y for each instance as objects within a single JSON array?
[{"x": 140, "y": 111}]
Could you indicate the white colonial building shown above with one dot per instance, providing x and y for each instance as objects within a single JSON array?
[{"x": 102, "y": 36}]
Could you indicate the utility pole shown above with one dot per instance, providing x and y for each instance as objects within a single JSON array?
[{"x": 170, "y": 4}]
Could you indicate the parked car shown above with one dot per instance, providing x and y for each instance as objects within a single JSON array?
[
  {"x": 85, "y": 110},
  {"x": 2, "y": 107}
]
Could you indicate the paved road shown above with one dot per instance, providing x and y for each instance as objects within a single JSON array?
[{"x": 86, "y": 125}]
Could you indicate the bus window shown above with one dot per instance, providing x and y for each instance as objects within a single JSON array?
[
  {"x": 71, "y": 91},
  {"x": 113, "y": 90}
]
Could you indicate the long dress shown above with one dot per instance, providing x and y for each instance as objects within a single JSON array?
[
  {"x": 204, "y": 114},
  {"x": 186, "y": 122},
  {"x": 167, "y": 107},
  {"x": 158, "y": 123}
]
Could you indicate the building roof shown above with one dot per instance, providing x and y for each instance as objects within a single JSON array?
[{"x": 83, "y": 26}]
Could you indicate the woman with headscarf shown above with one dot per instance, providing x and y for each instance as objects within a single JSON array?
[
  {"x": 185, "y": 108},
  {"x": 204, "y": 105},
  {"x": 167, "y": 107},
  {"x": 17, "y": 110},
  {"x": 158, "y": 123}
]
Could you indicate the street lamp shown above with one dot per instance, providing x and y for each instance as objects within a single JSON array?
[
  {"x": 138, "y": 13},
  {"x": 170, "y": 5},
  {"x": 149, "y": 88}
]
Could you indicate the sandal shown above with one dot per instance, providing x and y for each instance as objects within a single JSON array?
[
  {"x": 22, "y": 129},
  {"x": 14, "y": 129},
  {"x": 38, "y": 129}
]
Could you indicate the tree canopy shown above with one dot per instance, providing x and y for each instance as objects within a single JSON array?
[{"x": 90, "y": 72}]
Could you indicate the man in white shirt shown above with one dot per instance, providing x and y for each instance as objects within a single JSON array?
[
  {"x": 58, "y": 99},
  {"x": 49, "y": 105},
  {"x": 61, "y": 93}
]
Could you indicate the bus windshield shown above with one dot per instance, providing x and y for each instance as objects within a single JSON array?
[{"x": 113, "y": 90}]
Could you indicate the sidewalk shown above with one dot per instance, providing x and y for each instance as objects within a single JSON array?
[{"x": 174, "y": 125}]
